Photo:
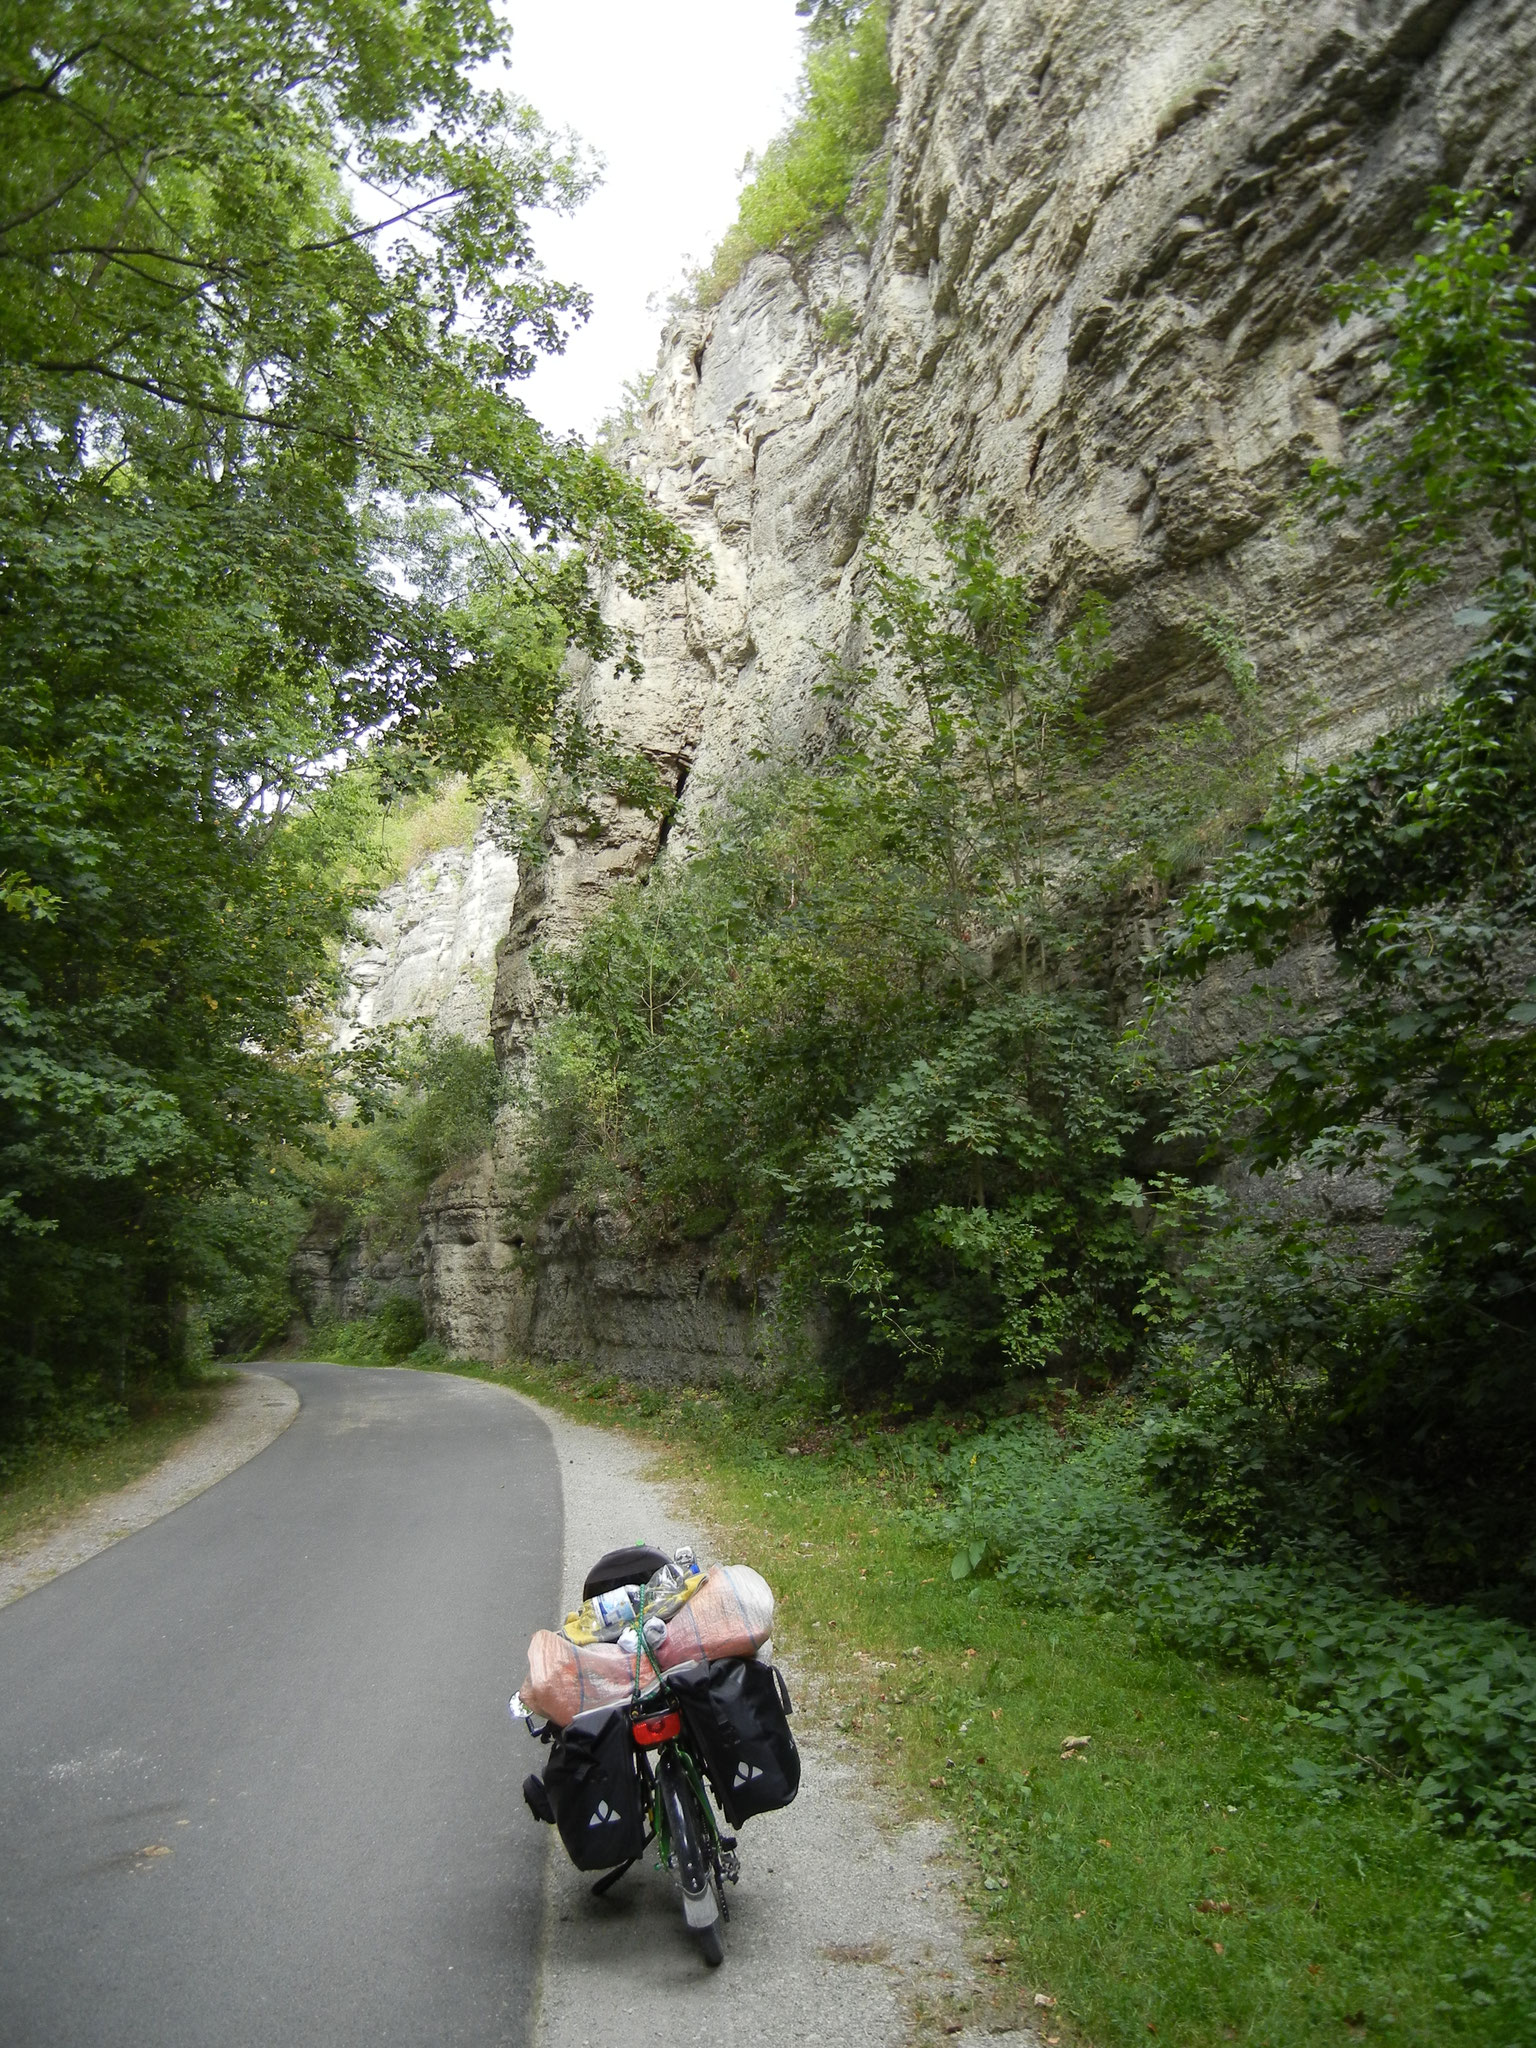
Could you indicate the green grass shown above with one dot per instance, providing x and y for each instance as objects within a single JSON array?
[
  {"x": 56, "y": 1481},
  {"x": 1179, "y": 1880}
]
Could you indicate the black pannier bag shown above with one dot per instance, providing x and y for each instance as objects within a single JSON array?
[
  {"x": 737, "y": 1712},
  {"x": 594, "y": 1789}
]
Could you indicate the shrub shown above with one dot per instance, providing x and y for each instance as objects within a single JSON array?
[
  {"x": 772, "y": 1048},
  {"x": 968, "y": 1212},
  {"x": 394, "y": 1335},
  {"x": 805, "y": 177},
  {"x": 721, "y": 1017},
  {"x": 1418, "y": 1080},
  {"x": 422, "y": 1102},
  {"x": 1441, "y": 1697},
  {"x": 401, "y": 1326},
  {"x": 856, "y": 1037}
]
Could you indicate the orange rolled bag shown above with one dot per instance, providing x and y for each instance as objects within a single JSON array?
[
  {"x": 731, "y": 1615},
  {"x": 565, "y": 1678}
]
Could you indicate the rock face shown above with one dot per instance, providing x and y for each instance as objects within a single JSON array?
[
  {"x": 1093, "y": 311},
  {"x": 338, "y": 1273},
  {"x": 575, "y": 1293},
  {"x": 428, "y": 951},
  {"x": 430, "y": 945}
]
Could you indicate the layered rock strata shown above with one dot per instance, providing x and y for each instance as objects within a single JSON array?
[
  {"x": 427, "y": 952},
  {"x": 578, "y": 1292},
  {"x": 1094, "y": 310}
]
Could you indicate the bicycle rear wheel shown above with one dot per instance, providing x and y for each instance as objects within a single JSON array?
[{"x": 689, "y": 1836}]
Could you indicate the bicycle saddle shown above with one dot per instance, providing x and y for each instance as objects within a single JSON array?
[{"x": 629, "y": 1567}]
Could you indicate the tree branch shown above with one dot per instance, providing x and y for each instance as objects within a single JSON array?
[
  {"x": 19, "y": 220},
  {"x": 21, "y": 88}
]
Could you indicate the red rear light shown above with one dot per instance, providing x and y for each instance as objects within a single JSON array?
[{"x": 657, "y": 1728}]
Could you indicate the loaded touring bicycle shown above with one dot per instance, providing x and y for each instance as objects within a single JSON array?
[{"x": 687, "y": 1744}]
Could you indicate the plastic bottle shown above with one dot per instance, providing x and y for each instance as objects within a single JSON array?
[
  {"x": 617, "y": 1608},
  {"x": 600, "y": 1619}
]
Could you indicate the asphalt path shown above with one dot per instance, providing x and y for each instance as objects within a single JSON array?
[{"x": 258, "y": 1783}]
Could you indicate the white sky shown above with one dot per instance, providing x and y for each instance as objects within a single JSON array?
[{"x": 672, "y": 94}]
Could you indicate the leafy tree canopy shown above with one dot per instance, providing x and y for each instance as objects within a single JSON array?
[{"x": 267, "y": 492}]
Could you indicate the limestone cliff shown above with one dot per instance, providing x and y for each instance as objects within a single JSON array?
[
  {"x": 429, "y": 944},
  {"x": 426, "y": 950},
  {"x": 1093, "y": 310}
]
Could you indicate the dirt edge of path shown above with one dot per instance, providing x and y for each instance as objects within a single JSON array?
[{"x": 254, "y": 1410}]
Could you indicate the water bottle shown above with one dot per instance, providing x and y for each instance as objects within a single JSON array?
[
  {"x": 599, "y": 1619},
  {"x": 614, "y": 1610}
]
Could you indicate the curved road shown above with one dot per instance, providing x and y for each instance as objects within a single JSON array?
[{"x": 258, "y": 1787}]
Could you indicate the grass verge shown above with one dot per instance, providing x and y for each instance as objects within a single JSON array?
[
  {"x": 1192, "y": 1874},
  {"x": 56, "y": 1481}
]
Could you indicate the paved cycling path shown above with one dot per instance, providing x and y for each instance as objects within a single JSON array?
[{"x": 257, "y": 1781}]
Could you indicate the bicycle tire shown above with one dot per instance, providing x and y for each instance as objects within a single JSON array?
[{"x": 686, "y": 1832}]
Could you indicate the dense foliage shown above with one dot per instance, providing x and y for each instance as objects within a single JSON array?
[
  {"x": 806, "y": 176},
  {"x": 268, "y": 290},
  {"x": 418, "y": 1102},
  {"x": 1444, "y": 1698},
  {"x": 1413, "y": 1365},
  {"x": 853, "y": 1039}
]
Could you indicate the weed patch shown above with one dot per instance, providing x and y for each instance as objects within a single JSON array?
[
  {"x": 1442, "y": 1698},
  {"x": 396, "y": 1335}
]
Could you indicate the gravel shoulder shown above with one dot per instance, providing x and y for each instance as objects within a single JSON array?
[
  {"x": 842, "y": 1924},
  {"x": 254, "y": 1410}
]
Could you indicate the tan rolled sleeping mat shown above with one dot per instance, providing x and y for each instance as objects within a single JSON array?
[{"x": 731, "y": 1615}]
